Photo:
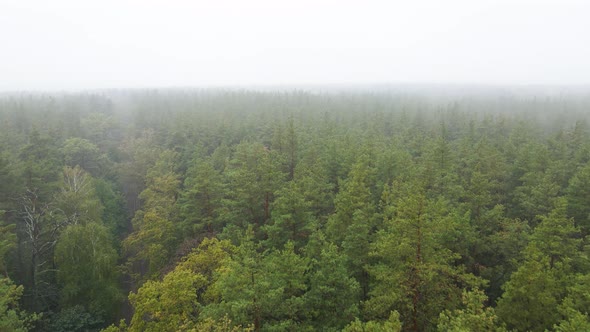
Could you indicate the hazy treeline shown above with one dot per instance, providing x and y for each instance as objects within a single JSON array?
[{"x": 345, "y": 210}]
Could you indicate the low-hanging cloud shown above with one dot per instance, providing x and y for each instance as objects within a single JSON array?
[{"x": 67, "y": 44}]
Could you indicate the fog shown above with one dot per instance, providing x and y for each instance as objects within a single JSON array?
[{"x": 74, "y": 45}]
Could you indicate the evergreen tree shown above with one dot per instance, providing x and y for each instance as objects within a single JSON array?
[
  {"x": 254, "y": 177},
  {"x": 352, "y": 225},
  {"x": 534, "y": 292},
  {"x": 12, "y": 318},
  {"x": 578, "y": 196},
  {"x": 333, "y": 296},
  {"x": 154, "y": 237},
  {"x": 474, "y": 317},
  {"x": 263, "y": 289},
  {"x": 416, "y": 272},
  {"x": 202, "y": 204}
]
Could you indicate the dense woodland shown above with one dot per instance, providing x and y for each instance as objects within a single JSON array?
[{"x": 231, "y": 210}]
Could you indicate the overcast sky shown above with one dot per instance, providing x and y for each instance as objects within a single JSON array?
[{"x": 63, "y": 44}]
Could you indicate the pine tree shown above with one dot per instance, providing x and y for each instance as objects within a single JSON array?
[
  {"x": 534, "y": 292},
  {"x": 415, "y": 272}
]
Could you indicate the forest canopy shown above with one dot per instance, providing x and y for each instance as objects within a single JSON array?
[{"x": 351, "y": 209}]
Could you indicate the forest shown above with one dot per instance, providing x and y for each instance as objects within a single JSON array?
[{"x": 355, "y": 210}]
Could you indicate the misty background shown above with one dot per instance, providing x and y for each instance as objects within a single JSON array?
[{"x": 75, "y": 45}]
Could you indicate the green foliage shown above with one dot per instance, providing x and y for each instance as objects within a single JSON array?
[
  {"x": 365, "y": 210},
  {"x": 165, "y": 306},
  {"x": 8, "y": 181},
  {"x": 138, "y": 155},
  {"x": 532, "y": 295},
  {"x": 578, "y": 195},
  {"x": 354, "y": 197},
  {"x": 207, "y": 325},
  {"x": 351, "y": 226},
  {"x": 254, "y": 177},
  {"x": 557, "y": 236},
  {"x": 150, "y": 245},
  {"x": 415, "y": 273},
  {"x": 83, "y": 153},
  {"x": 86, "y": 262},
  {"x": 333, "y": 295},
  {"x": 114, "y": 328},
  {"x": 578, "y": 296},
  {"x": 7, "y": 241},
  {"x": 437, "y": 165},
  {"x": 114, "y": 214},
  {"x": 222, "y": 325},
  {"x": 536, "y": 196},
  {"x": 152, "y": 241},
  {"x": 312, "y": 180},
  {"x": 100, "y": 128},
  {"x": 392, "y": 324},
  {"x": 74, "y": 319},
  {"x": 12, "y": 318},
  {"x": 162, "y": 184},
  {"x": 500, "y": 253},
  {"x": 534, "y": 292},
  {"x": 292, "y": 216},
  {"x": 573, "y": 319},
  {"x": 202, "y": 203},
  {"x": 264, "y": 289},
  {"x": 576, "y": 322},
  {"x": 474, "y": 317},
  {"x": 40, "y": 166},
  {"x": 176, "y": 301},
  {"x": 76, "y": 201}
]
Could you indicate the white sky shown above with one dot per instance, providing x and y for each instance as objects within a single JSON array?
[{"x": 77, "y": 44}]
